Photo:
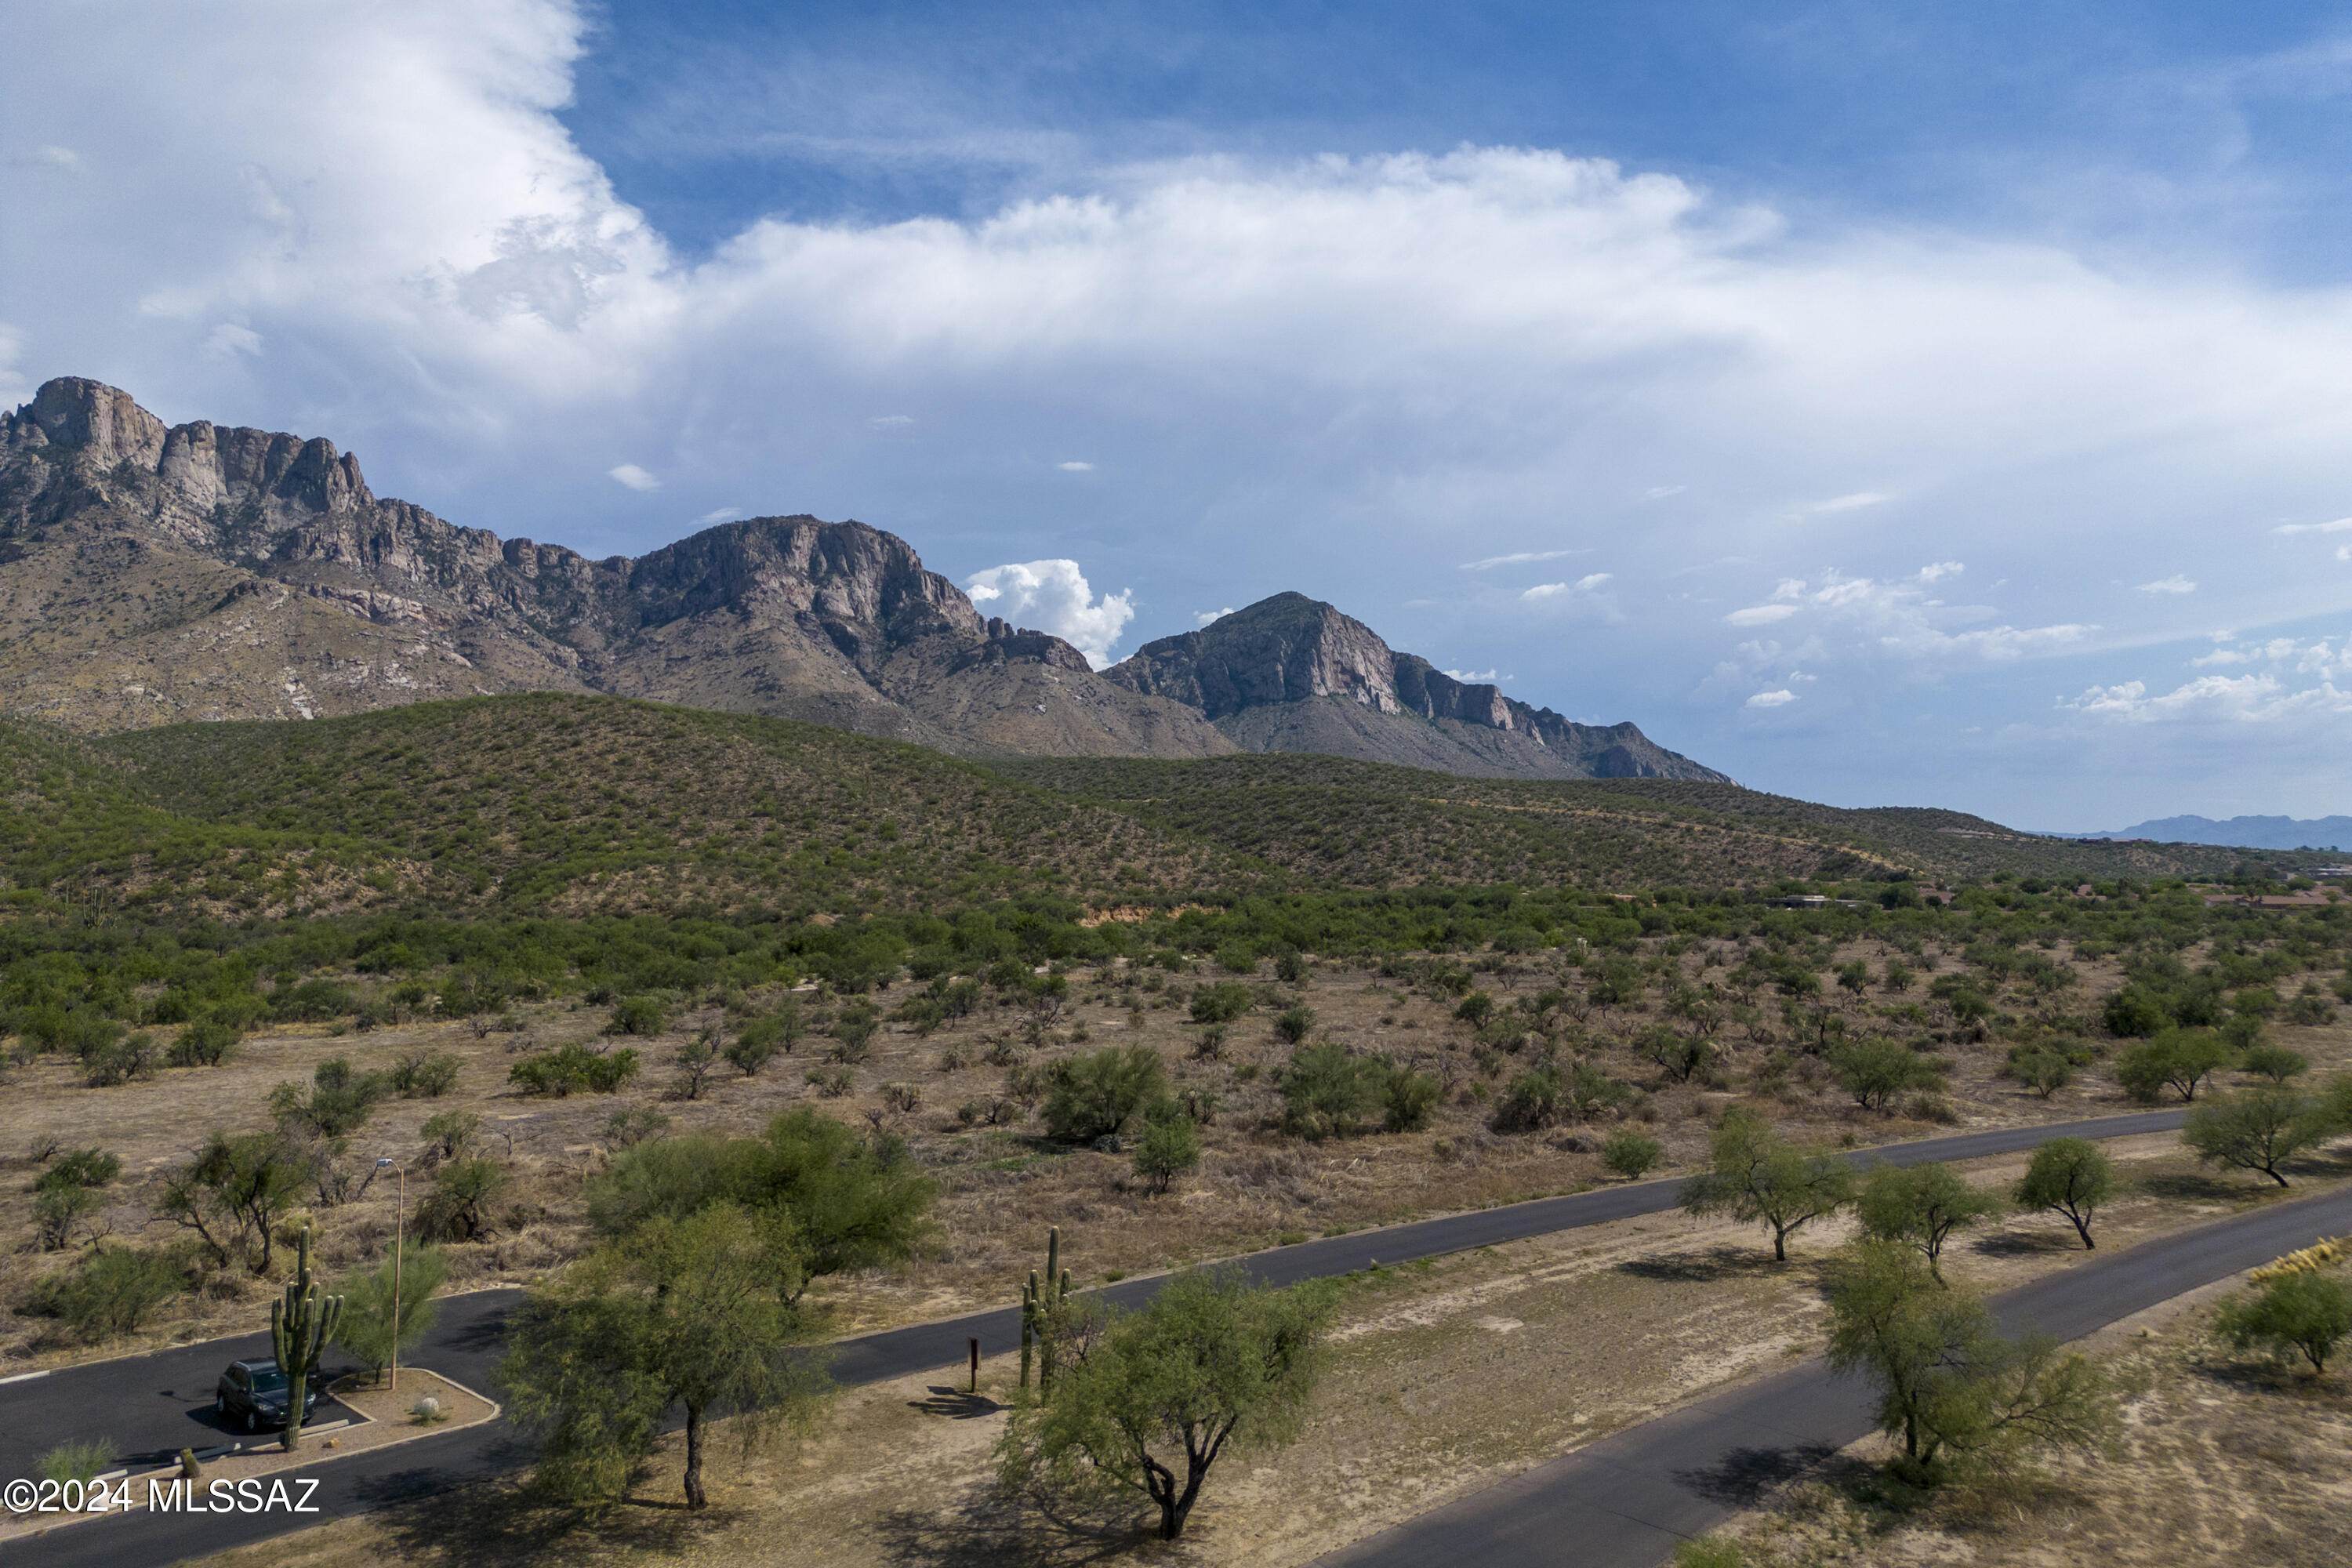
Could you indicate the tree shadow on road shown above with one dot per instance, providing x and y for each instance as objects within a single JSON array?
[{"x": 1745, "y": 1476}]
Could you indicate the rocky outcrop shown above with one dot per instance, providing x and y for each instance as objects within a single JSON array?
[
  {"x": 1292, "y": 673},
  {"x": 246, "y": 573},
  {"x": 151, "y": 574}
]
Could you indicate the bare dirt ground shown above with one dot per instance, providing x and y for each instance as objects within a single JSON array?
[
  {"x": 1002, "y": 1185},
  {"x": 1445, "y": 1376}
]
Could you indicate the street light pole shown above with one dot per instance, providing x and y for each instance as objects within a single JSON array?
[{"x": 399, "y": 1226}]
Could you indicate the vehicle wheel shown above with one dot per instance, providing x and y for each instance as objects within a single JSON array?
[
  {"x": 252, "y": 1421},
  {"x": 220, "y": 1403}
]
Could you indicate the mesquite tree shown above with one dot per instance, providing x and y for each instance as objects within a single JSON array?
[{"x": 1153, "y": 1403}]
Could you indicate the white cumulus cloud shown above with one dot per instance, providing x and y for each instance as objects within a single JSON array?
[
  {"x": 1759, "y": 615},
  {"x": 2176, "y": 584},
  {"x": 1075, "y": 466},
  {"x": 1054, "y": 596},
  {"x": 2338, "y": 526},
  {"x": 635, "y": 477},
  {"x": 1780, "y": 699},
  {"x": 1202, "y": 617}
]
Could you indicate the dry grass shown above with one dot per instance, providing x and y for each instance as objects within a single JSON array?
[{"x": 1001, "y": 1186}]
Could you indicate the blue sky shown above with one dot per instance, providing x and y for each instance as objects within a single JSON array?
[{"x": 1917, "y": 404}]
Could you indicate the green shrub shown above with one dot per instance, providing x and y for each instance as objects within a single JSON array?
[
  {"x": 1631, "y": 1153},
  {"x": 1167, "y": 1150},
  {"x": 110, "y": 1291},
  {"x": 639, "y": 1015},
  {"x": 1877, "y": 1073},
  {"x": 84, "y": 1461},
  {"x": 755, "y": 1044},
  {"x": 2309, "y": 1011},
  {"x": 2181, "y": 1060},
  {"x": 1408, "y": 1098},
  {"x": 573, "y": 1068},
  {"x": 448, "y": 1133},
  {"x": 424, "y": 1075},
  {"x": 310, "y": 1001},
  {"x": 120, "y": 1060},
  {"x": 1221, "y": 1003},
  {"x": 55, "y": 1212},
  {"x": 1293, "y": 1024},
  {"x": 2276, "y": 1063},
  {"x": 1237, "y": 958},
  {"x": 206, "y": 1043},
  {"x": 1326, "y": 1092},
  {"x": 80, "y": 1168},
  {"x": 1093, "y": 1095},
  {"x": 2306, "y": 1314},
  {"x": 340, "y": 1101},
  {"x": 456, "y": 1208},
  {"x": 2133, "y": 1012}
]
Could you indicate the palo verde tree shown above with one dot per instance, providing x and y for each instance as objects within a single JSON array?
[
  {"x": 1922, "y": 1207},
  {"x": 2254, "y": 1130},
  {"x": 1955, "y": 1393},
  {"x": 853, "y": 1205},
  {"x": 694, "y": 1315},
  {"x": 380, "y": 1319},
  {"x": 2071, "y": 1177},
  {"x": 1213, "y": 1362},
  {"x": 1757, "y": 1174}
]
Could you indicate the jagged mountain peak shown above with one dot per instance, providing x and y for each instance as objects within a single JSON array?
[
  {"x": 1285, "y": 673},
  {"x": 150, "y": 574}
]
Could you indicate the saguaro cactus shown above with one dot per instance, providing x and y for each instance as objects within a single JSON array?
[
  {"x": 1038, "y": 1301},
  {"x": 300, "y": 1327}
]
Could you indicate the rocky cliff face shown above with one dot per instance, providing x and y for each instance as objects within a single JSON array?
[
  {"x": 151, "y": 575},
  {"x": 1291, "y": 673}
]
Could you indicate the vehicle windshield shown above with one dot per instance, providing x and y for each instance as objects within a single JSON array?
[{"x": 272, "y": 1381}]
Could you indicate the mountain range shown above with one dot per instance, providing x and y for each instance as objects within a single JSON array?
[
  {"x": 154, "y": 574},
  {"x": 2242, "y": 832}
]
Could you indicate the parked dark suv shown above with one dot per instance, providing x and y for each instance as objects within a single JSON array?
[{"x": 254, "y": 1391}]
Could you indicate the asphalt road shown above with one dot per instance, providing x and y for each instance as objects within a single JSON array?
[
  {"x": 1627, "y": 1500},
  {"x": 152, "y": 1406}
]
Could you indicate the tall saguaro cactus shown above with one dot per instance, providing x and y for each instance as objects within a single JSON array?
[
  {"x": 300, "y": 1327},
  {"x": 1038, "y": 1301}
]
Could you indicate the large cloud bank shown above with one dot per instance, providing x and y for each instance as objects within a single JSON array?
[{"x": 1768, "y": 450}]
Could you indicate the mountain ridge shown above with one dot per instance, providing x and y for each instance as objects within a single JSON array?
[
  {"x": 155, "y": 574},
  {"x": 2333, "y": 833},
  {"x": 1291, "y": 673}
]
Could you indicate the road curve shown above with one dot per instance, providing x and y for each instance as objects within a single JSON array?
[
  {"x": 142, "y": 1402},
  {"x": 1626, "y": 1500}
]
